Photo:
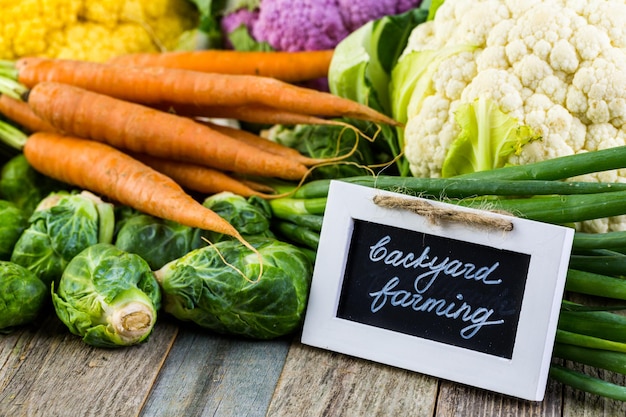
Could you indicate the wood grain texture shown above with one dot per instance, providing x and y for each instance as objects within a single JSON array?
[
  {"x": 47, "y": 371},
  {"x": 185, "y": 371},
  {"x": 461, "y": 400},
  {"x": 316, "y": 382},
  {"x": 211, "y": 375}
]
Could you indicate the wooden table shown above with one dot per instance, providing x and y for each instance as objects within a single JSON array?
[{"x": 183, "y": 371}]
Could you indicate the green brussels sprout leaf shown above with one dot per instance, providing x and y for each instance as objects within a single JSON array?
[
  {"x": 156, "y": 240},
  {"x": 217, "y": 288},
  {"x": 13, "y": 221},
  {"x": 108, "y": 297},
  {"x": 61, "y": 226},
  {"x": 22, "y": 296}
]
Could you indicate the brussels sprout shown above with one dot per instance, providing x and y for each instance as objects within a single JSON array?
[
  {"x": 330, "y": 141},
  {"x": 218, "y": 288},
  {"x": 25, "y": 187},
  {"x": 22, "y": 295},
  {"x": 60, "y": 227},
  {"x": 13, "y": 221},
  {"x": 156, "y": 240},
  {"x": 251, "y": 216},
  {"x": 108, "y": 297}
]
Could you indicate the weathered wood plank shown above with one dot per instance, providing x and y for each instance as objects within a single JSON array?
[
  {"x": 461, "y": 400},
  {"x": 47, "y": 371},
  {"x": 316, "y": 382},
  {"x": 211, "y": 375}
]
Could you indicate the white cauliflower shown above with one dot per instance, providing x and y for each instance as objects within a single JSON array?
[{"x": 555, "y": 67}]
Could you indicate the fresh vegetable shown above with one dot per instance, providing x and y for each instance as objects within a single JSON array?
[
  {"x": 250, "y": 216},
  {"x": 298, "y": 26},
  {"x": 22, "y": 296},
  {"x": 252, "y": 113},
  {"x": 108, "y": 297},
  {"x": 93, "y": 31},
  {"x": 596, "y": 322},
  {"x": 474, "y": 150},
  {"x": 158, "y": 85},
  {"x": 217, "y": 288},
  {"x": 61, "y": 226},
  {"x": 361, "y": 69},
  {"x": 108, "y": 172},
  {"x": 157, "y": 241},
  {"x": 587, "y": 383},
  {"x": 197, "y": 178},
  {"x": 13, "y": 221},
  {"x": 90, "y": 115},
  {"x": 361, "y": 66},
  {"x": 587, "y": 335},
  {"x": 20, "y": 112},
  {"x": 286, "y": 66},
  {"x": 553, "y": 68},
  {"x": 160, "y": 241},
  {"x": 24, "y": 186},
  {"x": 267, "y": 144},
  {"x": 324, "y": 142}
]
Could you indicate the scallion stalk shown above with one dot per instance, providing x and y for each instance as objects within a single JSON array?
[
  {"x": 590, "y": 283},
  {"x": 598, "y": 358},
  {"x": 461, "y": 188},
  {"x": 570, "y": 338},
  {"x": 559, "y": 168},
  {"x": 584, "y": 382}
]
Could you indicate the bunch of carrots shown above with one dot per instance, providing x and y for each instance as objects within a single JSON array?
[{"x": 135, "y": 129}]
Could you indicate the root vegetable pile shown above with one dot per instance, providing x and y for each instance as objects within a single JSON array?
[{"x": 131, "y": 130}]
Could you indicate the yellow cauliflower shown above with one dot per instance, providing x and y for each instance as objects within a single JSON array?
[{"x": 92, "y": 30}]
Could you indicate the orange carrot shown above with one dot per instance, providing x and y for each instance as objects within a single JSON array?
[
  {"x": 20, "y": 112},
  {"x": 253, "y": 113},
  {"x": 104, "y": 170},
  {"x": 144, "y": 130},
  {"x": 263, "y": 143},
  {"x": 197, "y": 177},
  {"x": 153, "y": 85},
  {"x": 285, "y": 66}
]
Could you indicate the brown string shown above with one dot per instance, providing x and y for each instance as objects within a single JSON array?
[{"x": 436, "y": 214}]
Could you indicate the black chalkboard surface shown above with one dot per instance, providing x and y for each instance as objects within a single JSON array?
[{"x": 441, "y": 289}]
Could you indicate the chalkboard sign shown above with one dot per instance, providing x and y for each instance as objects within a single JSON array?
[
  {"x": 447, "y": 290},
  {"x": 466, "y": 301}
]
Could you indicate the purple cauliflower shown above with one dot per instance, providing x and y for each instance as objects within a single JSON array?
[
  {"x": 300, "y": 25},
  {"x": 239, "y": 17}
]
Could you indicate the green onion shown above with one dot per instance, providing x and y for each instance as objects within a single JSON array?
[
  {"x": 310, "y": 221},
  {"x": 298, "y": 234},
  {"x": 613, "y": 263},
  {"x": 571, "y": 338},
  {"x": 461, "y": 188},
  {"x": 598, "y": 358},
  {"x": 12, "y": 136},
  {"x": 558, "y": 209},
  {"x": 601, "y": 324},
  {"x": 587, "y": 383},
  {"x": 559, "y": 168},
  {"x": 591, "y": 283},
  {"x": 608, "y": 240},
  {"x": 282, "y": 207}
]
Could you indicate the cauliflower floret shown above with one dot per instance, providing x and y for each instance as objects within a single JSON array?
[
  {"x": 312, "y": 25},
  {"x": 309, "y": 24},
  {"x": 556, "y": 66},
  {"x": 89, "y": 30}
]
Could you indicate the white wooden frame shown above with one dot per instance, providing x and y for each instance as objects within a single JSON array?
[{"x": 524, "y": 375}]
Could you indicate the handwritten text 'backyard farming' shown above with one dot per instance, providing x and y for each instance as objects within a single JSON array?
[{"x": 429, "y": 268}]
